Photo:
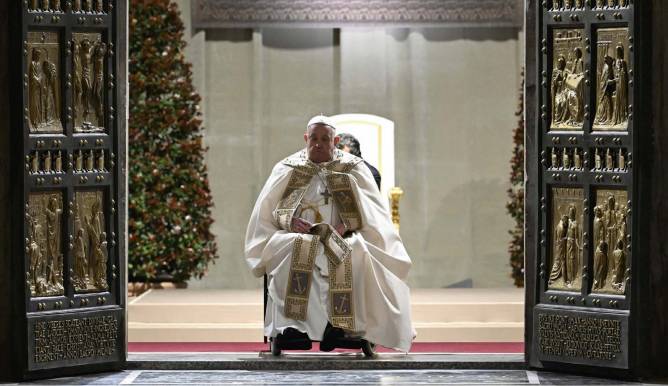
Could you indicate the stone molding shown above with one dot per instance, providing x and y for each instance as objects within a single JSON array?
[{"x": 350, "y": 13}]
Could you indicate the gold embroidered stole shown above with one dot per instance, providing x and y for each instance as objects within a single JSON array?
[
  {"x": 292, "y": 196},
  {"x": 305, "y": 246}
]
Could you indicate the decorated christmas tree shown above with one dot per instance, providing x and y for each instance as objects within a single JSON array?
[
  {"x": 170, "y": 202},
  {"x": 515, "y": 205}
]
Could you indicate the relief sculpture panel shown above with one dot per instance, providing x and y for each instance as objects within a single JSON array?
[
  {"x": 558, "y": 5},
  {"x": 43, "y": 82},
  {"x": 88, "y": 57},
  {"x": 610, "y": 241},
  {"x": 612, "y": 91},
  {"x": 89, "y": 242},
  {"x": 45, "y": 5},
  {"x": 88, "y": 6},
  {"x": 567, "y": 80},
  {"x": 611, "y": 160},
  {"x": 611, "y": 4},
  {"x": 43, "y": 244},
  {"x": 566, "y": 242}
]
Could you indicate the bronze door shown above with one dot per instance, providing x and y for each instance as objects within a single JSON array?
[
  {"x": 70, "y": 139},
  {"x": 587, "y": 100}
]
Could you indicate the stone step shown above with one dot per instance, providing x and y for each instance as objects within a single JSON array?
[
  {"x": 296, "y": 361},
  {"x": 439, "y": 315},
  {"x": 252, "y": 332},
  {"x": 252, "y": 312}
]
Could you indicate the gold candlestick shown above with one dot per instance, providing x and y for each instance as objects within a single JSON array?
[{"x": 395, "y": 196}]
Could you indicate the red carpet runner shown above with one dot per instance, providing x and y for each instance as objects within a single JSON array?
[{"x": 431, "y": 347}]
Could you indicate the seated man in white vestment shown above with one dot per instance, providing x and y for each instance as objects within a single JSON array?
[{"x": 322, "y": 234}]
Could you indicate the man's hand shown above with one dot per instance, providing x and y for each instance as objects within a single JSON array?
[
  {"x": 300, "y": 225},
  {"x": 341, "y": 229}
]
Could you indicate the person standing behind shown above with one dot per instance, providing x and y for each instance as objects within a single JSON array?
[{"x": 350, "y": 144}]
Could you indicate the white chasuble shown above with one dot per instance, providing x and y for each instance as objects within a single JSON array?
[{"x": 357, "y": 282}]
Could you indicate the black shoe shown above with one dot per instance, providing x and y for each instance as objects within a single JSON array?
[
  {"x": 330, "y": 337},
  {"x": 293, "y": 339}
]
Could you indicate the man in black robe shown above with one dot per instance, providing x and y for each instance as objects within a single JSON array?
[{"x": 350, "y": 144}]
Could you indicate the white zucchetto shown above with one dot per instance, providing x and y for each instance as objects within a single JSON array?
[{"x": 321, "y": 119}]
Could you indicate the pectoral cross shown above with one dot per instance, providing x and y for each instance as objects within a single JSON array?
[{"x": 327, "y": 195}]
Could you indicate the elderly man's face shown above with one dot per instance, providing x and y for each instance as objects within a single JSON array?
[{"x": 320, "y": 142}]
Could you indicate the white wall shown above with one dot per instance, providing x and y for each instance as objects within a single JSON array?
[{"x": 451, "y": 93}]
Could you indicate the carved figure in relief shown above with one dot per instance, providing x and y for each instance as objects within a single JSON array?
[
  {"x": 559, "y": 101},
  {"x": 567, "y": 89},
  {"x": 98, "y": 83},
  {"x": 80, "y": 262},
  {"x": 34, "y": 162},
  {"x": 47, "y": 162},
  {"x": 36, "y": 90},
  {"x": 610, "y": 227},
  {"x": 559, "y": 265},
  {"x": 574, "y": 83},
  {"x": 597, "y": 160},
  {"x": 621, "y": 100},
  {"x": 88, "y": 5},
  {"x": 98, "y": 6},
  {"x": 90, "y": 161},
  {"x": 76, "y": 5},
  {"x": 554, "y": 158},
  {"x": 621, "y": 225},
  {"x": 577, "y": 65},
  {"x": 56, "y": 5},
  {"x": 53, "y": 255},
  {"x": 604, "y": 114},
  {"x": 623, "y": 3},
  {"x": 97, "y": 245},
  {"x": 101, "y": 263},
  {"x": 609, "y": 160},
  {"x": 600, "y": 3},
  {"x": 85, "y": 56},
  {"x": 621, "y": 160},
  {"x": 619, "y": 265},
  {"x": 76, "y": 69},
  {"x": 35, "y": 256},
  {"x": 610, "y": 219},
  {"x": 566, "y": 160},
  {"x": 43, "y": 244},
  {"x": 577, "y": 159},
  {"x": 579, "y": 4},
  {"x": 573, "y": 246},
  {"x": 78, "y": 163},
  {"x": 45, "y": 5},
  {"x": 600, "y": 264},
  {"x": 568, "y": 4},
  {"x": 611, "y": 3},
  {"x": 100, "y": 161},
  {"x": 88, "y": 71},
  {"x": 556, "y": 4},
  {"x": 34, "y": 5},
  {"x": 59, "y": 162},
  {"x": 50, "y": 92},
  {"x": 599, "y": 225}
]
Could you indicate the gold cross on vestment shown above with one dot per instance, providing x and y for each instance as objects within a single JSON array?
[{"x": 327, "y": 195}]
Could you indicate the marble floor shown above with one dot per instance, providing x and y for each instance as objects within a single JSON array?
[{"x": 356, "y": 377}]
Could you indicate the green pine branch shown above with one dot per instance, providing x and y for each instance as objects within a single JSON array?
[
  {"x": 169, "y": 198},
  {"x": 515, "y": 204}
]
